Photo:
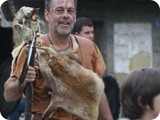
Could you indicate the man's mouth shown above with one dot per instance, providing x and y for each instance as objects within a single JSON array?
[{"x": 65, "y": 23}]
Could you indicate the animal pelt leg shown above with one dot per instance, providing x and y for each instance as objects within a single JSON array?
[
  {"x": 24, "y": 32},
  {"x": 49, "y": 111}
]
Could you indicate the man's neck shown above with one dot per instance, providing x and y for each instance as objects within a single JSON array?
[{"x": 60, "y": 42}]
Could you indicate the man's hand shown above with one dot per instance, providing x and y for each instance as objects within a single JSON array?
[
  {"x": 12, "y": 90},
  {"x": 31, "y": 74}
]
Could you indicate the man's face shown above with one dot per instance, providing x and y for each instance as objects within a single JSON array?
[
  {"x": 62, "y": 16},
  {"x": 87, "y": 32}
]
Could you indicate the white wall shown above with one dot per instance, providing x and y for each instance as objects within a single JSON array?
[{"x": 132, "y": 46}]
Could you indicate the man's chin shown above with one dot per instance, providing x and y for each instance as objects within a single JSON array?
[{"x": 64, "y": 32}]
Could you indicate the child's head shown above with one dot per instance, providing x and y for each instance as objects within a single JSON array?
[{"x": 139, "y": 91}]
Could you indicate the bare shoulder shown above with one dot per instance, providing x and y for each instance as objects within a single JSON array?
[{"x": 84, "y": 41}]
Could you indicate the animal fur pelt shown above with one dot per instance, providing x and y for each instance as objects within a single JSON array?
[
  {"x": 75, "y": 89},
  {"x": 25, "y": 21}
]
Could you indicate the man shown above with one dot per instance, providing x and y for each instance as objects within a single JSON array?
[
  {"x": 84, "y": 27},
  {"x": 60, "y": 15}
]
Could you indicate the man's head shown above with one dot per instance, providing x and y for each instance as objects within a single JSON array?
[
  {"x": 48, "y": 4},
  {"x": 61, "y": 15},
  {"x": 84, "y": 27}
]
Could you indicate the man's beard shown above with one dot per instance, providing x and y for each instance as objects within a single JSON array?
[{"x": 64, "y": 32}]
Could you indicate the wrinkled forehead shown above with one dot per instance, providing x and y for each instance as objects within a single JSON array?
[{"x": 63, "y": 3}]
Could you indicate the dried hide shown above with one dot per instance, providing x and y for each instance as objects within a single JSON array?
[
  {"x": 26, "y": 21},
  {"x": 75, "y": 89}
]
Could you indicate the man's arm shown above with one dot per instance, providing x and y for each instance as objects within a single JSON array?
[
  {"x": 104, "y": 109},
  {"x": 12, "y": 90}
]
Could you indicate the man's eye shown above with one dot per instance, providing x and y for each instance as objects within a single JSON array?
[
  {"x": 87, "y": 33},
  {"x": 70, "y": 11},
  {"x": 59, "y": 11}
]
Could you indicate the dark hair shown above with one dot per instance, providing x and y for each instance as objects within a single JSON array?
[
  {"x": 80, "y": 22},
  {"x": 143, "y": 83},
  {"x": 48, "y": 4},
  {"x": 112, "y": 92}
]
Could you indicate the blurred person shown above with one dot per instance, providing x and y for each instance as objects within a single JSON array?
[
  {"x": 7, "y": 43},
  {"x": 84, "y": 27},
  {"x": 9, "y": 110},
  {"x": 112, "y": 91},
  {"x": 140, "y": 95},
  {"x": 18, "y": 112}
]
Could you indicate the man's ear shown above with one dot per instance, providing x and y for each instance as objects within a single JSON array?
[{"x": 46, "y": 15}]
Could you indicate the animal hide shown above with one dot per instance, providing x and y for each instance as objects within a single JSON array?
[
  {"x": 25, "y": 22},
  {"x": 74, "y": 88}
]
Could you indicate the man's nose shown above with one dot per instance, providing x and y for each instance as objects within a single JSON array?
[
  {"x": 65, "y": 13},
  {"x": 91, "y": 36}
]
